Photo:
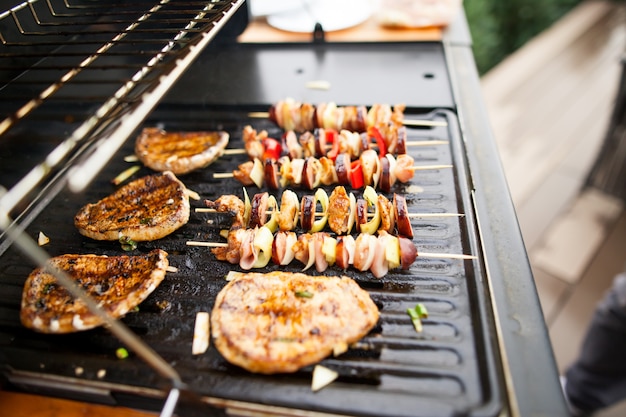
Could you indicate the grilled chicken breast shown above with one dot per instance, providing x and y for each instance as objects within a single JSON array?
[
  {"x": 148, "y": 208},
  {"x": 281, "y": 322},
  {"x": 179, "y": 152},
  {"x": 117, "y": 283}
]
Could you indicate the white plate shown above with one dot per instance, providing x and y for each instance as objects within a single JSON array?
[
  {"x": 331, "y": 14},
  {"x": 260, "y": 8}
]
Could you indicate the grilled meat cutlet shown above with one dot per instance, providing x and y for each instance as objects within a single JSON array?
[
  {"x": 148, "y": 208},
  {"x": 117, "y": 283},
  {"x": 179, "y": 152},
  {"x": 281, "y": 321}
]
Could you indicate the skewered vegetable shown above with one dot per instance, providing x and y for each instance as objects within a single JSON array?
[
  {"x": 254, "y": 248},
  {"x": 312, "y": 172},
  {"x": 341, "y": 212},
  {"x": 292, "y": 115}
]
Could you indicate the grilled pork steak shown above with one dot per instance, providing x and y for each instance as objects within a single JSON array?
[
  {"x": 179, "y": 152},
  {"x": 148, "y": 208},
  {"x": 117, "y": 283},
  {"x": 281, "y": 322}
]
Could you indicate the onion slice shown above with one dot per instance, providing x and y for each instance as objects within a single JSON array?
[
  {"x": 257, "y": 173},
  {"x": 201, "y": 330},
  {"x": 322, "y": 198},
  {"x": 322, "y": 377},
  {"x": 262, "y": 243},
  {"x": 371, "y": 198}
]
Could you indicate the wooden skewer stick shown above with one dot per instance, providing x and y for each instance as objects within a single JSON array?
[
  {"x": 421, "y": 122},
  {"x": 410, "y": 215},
  {"x": 427, "y": 167},
  {"x": 242, "y": 151},
  {"x": 445, "y": 255},
  {"x": 419, "y": 254},
  {"x": 426, "y": 142},
  {"x": 234, "y": 151},
  {"x": 223, "y": 175},
  {"x": 414, "y": 122},
  {"x": 414, "y": 168},
  {"x": 207, "y": 244}
]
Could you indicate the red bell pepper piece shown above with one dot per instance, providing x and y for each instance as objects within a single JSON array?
[
  {"x": 380, "y": 141},
  {"x": 333, "y": 138},
  {"x": 356, "y": 174},
  {"x": 273, "y": 150}
]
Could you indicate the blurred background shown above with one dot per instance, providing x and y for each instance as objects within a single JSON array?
[
  {"x": 500, "y": 27},
  {"x": 553, "y": 83}
]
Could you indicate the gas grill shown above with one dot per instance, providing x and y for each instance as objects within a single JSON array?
[{"x": 82, "y": 78}]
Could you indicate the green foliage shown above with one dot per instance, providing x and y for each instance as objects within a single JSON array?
[{"x": 499, "y": 27}]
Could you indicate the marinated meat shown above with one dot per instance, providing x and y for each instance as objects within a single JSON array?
[
  {"x": 339, "y": 211},
  {"x": 229, "y": 204},
  {"x": 117, "y": 283},
  {"x": 146, "y": 209},
  {"x": 179, "y": 152},
  {"x": 281, "y": 322}
]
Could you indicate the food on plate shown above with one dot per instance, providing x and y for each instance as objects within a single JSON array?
[
  {"x": 292, "y": 115},
  {"x": 148, "y": 208},
  {"x": 312, "y": 172},
  {"x": 117, "y": 283},
  {"x": 179, "y": 152},
  {"x": 280, "y": 322},
  {"x": 341, "y": 212},
  {"x": 417, "y": 13},
  {"x": 254, "y": 248},
  {"x": 325, "y": 142}
]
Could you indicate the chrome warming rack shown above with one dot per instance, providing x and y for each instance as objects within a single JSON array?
[{"x": 114, "y": 61}]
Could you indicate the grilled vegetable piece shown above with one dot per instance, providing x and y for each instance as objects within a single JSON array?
[
  {"x": 179, "y": 152},
  {"x": 281, "y": 322},
  {"x": 148, "y": 208},
  {"x": 117, "y": 283}
]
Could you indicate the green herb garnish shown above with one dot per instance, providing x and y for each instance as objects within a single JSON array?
[
  {"x": 47, "y": 288},
  {"x": 127, "y": 243},
  {"x": 417, "y": 313},
  {"x": 304, "y": 294},
  {"x": 121, "y": 353}
]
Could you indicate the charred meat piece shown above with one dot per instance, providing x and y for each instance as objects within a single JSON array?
[
  {"x": 148, "y": 208},
  {"x": 339, "y": 211},
  {"x": 229, "y": 204},
  {"x": 117, "y": 283},
  {"x": 179, "y": 152},
  {"x": 281, "y": 322}
]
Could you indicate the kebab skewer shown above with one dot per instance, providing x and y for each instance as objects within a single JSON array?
[
  {"x": 292, "y": 115},
  {"x": 255, "y": 248},
  {"x": 327, "y": 142},
  {"x": 310, "y": 172},
  {"x": 341, "y": 212}
]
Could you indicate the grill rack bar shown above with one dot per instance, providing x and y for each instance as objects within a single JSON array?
[
  {"x": 124, "y": 102},
  {"x": 163, "y": 61}
]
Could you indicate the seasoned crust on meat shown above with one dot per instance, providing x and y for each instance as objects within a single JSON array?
[
  {"x": 338, "y": 210},
  {"x": 179, "y": 152},
  {"x": 117, "y": 283},
  {"x": 281, "y": 322},
  {"x": 148, "y": 208}
]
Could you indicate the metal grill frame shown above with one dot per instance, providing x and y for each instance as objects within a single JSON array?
[{"x": 520, "y": 331}]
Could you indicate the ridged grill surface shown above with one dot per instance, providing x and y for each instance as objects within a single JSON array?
[{"x": 447, "y": 369}]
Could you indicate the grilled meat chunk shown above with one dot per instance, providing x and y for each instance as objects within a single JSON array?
[
  {"x": 148, "y": 208},
  {"x": 229, "y": 204},
  {"x": 117, "y": 283},
  {"x": 339, "y": 211},
  {"x": 179, "y": 152},
  {"x": 281, "y": 322}
]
